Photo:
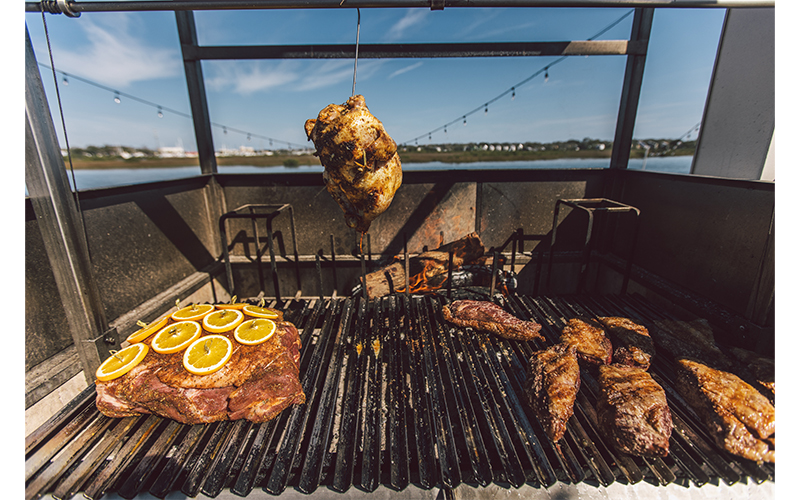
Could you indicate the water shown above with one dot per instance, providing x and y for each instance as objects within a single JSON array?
[{"x": 91, "y": 179}]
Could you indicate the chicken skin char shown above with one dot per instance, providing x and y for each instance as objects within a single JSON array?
[{"x": 362, "y": 168}]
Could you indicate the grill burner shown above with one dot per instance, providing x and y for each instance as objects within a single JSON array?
[{"x": 395, "y": 396}]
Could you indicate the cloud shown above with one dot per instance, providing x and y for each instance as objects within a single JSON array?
[
  {"x": 249, "y": 77},
  {"x": 337, "y": 73},
  {"x": 115, "y": 56},
  {"x": 405, "y": 70},
  {"x": 412, "y": 18}
]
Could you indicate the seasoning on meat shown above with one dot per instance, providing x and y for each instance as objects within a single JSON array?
[
  {"x": 551, "y": 386},
  {"x": 739, "y": 418},
  {"x": 257, "y": 383},
  {"x": 590, "y": 339},
  {"x": 690, "y": 339},
  {"x": 631, "y": 342},
  {"x": 487, "y": 316},
  {"x": 362, "y": 168},
  {"x": 632, "y": 410}
]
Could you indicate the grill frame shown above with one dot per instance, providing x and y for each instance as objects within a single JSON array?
[{"x": 464, "y": 420}]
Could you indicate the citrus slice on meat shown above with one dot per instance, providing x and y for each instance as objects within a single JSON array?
[
  {"x": 232, "y": 304},
  {"x": 121, "y": 362},
  {"x": 194, "y": 312},
  {"x": 147, "y": 330},
  {"x": 260, "y": 312},
  {"x": 207, "y": 354},
  {"x": 254, "y": 331},
  {"x": 223, "y": 320},
  {"x": 176, "y": 337}
]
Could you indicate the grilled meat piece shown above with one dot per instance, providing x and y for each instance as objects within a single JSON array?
[
  {"x": 738, "y": 417},
  {"x": 257, "y": 383},
  {"x": 632, "y": 410},
  {"x": 762, "y": 369},
  {"x": 362, "y": 168},
  {"x": 590, "y": 339},
  {"x": 632, "y": 343},
  {"x": 487, "y": 316},
  {"x": 551, "y": 386},
  {"x": 689, "y": 339}
]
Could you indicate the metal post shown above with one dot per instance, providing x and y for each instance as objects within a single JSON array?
[
  {"x": 61, "y": 226},
  {"x": 631, "y": 88},
  {"x": 187, "y": 34}
]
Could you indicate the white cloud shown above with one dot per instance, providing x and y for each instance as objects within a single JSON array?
[
  {"x": 249, "y": 77},
  {"x": 337, "y": 73},
  {"x": 117, "y": 57},
  {"x": 405, "y": 70},
  {"x": 412, "y": 18}
]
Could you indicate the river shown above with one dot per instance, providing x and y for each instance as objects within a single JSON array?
[{"x": 91, "y": 179}]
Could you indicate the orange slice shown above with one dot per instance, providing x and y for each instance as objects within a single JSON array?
[
  {"x": 147, "y": 330},
  {"x": 223, "y": 320},
  {"x": 121, "y": 362},
  {"x": 207, "y": 354},
  {"x": 194, "y": 312},
  {"x": 176, "y": 337},
  {"x": 255, "y": 331},
  {"x": 232, "y": 304},
  {"x": 260, "y": 312}
]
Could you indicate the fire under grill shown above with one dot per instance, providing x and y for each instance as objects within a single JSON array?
[{"x": 395, "y": 396}]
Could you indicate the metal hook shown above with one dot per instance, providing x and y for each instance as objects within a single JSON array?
[{"x": 355, "y": 62}]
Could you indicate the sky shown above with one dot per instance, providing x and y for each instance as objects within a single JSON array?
[{"x": 138, "y": 54}]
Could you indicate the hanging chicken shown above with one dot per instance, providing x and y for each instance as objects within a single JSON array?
[{"x": 362, "y": 168}]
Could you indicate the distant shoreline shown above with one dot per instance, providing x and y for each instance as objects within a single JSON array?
[{"x": 279, "y": 160}]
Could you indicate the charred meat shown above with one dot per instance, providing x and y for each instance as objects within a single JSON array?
[
  {"x": 362, "y": 168},
  {"x": 256, "y": 383},
  {"x": 589, "y": 337},
  {"x": 632, "y": 410},
  {"x": 740, "y": 419},
  {"x": 487, "y": 316},
  {"x": 632, "y": 343},
  {"x": 551, "y": 386},
  {"x": 689, "y": 339}
]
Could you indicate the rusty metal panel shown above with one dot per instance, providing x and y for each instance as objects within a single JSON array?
[
  {"x": 144, "y": 239},
  {"x": 708, "y": 235}
]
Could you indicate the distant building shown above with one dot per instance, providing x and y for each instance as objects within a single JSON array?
[{"x": 171, "y": 152}]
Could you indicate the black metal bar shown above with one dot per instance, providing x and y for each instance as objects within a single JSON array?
[
  {"x": 199, "y": 471},
  {"x": 259, "y": 251},
  {"x": 450, "y": 274},
  {"x": 414, "y": 50},
  {"x": 399, "y": 477},
  {"x": 371, "y": 444},
  {"x": 631, "y": 88},
  {"x": 319, "y": 277},
  {"x": 147, "y": 466},
  {"x": 406, "y": 264},
  {"x": 165, "y": 5},
  {"x": 494, "y": 274},
  {"x": 333, "y": 264},
  {"x": 63, "y": 417},
  {"x": 220, "y": 468},
  {"x": 187, "y": 33},
  {"x": 171, "y": 471}
]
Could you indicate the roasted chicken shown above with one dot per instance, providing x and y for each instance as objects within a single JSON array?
[{"x": 362, "y": 168}]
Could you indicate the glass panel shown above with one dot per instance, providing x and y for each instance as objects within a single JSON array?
[{"x": 680, "y": 61}]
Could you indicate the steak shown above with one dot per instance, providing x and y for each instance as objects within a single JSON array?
[
  {"x": 690, "y": 339},
  {"x": 589, "y": 338},
  {"x": 257, "y": 382},
  {"x": 551, "y": 386},
  {"x": 487, "y": 316},
  {"x": 632, "y": 343},
  {"x": 739, "y": 418},
  {"x": 632, "y": 410}
]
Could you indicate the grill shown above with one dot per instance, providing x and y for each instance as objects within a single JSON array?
[{"x": 395, "y": 396}]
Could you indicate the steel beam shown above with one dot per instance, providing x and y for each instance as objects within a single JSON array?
[
  {"x": 74, "y": 9},
  {"x": 61, "y": 225}
]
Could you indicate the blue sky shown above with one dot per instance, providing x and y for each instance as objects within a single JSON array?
[{"x": 139, "y": 54}]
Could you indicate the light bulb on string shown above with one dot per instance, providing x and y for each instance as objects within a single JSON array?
[
  {"x": 486, "y": 109},
  {"x": 465, "y": 120},
  {"x": 160, "y": 113},
  {"x": 445, "y": 129},
  {"x": 513, "y": 93},
  {"x": 248, "y": 137},
  {"x": 225, "y": 130},
  {"x": 430, "y": 137},
  {"x": 116, "y": 97},
  {"x": 546, "y": 76},
  {"x": 65, "y": 81}
]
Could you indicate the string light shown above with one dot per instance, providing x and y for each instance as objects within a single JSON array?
[
  {"x": 465, "y": 120},
  {"x": 486, "y": 110},
  {"x": 513, "y": 93},
  {"x": 546, "y": 76},
  {"x": 160, "y": 113},
  {"x": 65, "y": 81},
  {"x": 225, "y": 130},
  {"x": 116, "y": 97}
]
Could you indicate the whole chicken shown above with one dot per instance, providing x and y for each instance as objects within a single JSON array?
[{"x": 362, "y": 168}]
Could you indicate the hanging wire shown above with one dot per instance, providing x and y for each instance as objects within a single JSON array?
[
  {"x": 512, "y": 90},
  {"x": 355, "y": 59}
]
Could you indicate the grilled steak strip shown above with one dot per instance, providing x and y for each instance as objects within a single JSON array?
[
  {"x": 552, "y": 383},
  {"x": 589, "y": 337},
  {"x": 487, "y": 316},
  {"x": 632, "y": 410},
  {"x": 739, "y": 418},
  {"x": 632, "y": 343}
]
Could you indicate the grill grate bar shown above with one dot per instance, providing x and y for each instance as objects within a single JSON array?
[{"x": 395, "y": 395}]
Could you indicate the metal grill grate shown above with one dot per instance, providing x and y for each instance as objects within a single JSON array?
[{"x": 395, "y": 396}]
